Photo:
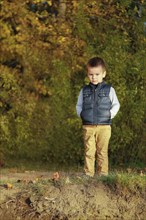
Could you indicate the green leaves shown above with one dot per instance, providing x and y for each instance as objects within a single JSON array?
[{"x": 38, "y": 92}]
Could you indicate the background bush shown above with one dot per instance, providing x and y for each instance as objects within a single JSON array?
[{"x": 45, "y": 46}]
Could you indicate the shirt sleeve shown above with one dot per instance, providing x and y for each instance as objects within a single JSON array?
[
  {"x": 79, "y": 103},
  {"x": 115, "y": 103}
]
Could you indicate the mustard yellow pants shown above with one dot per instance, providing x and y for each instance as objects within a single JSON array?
[{"x": 96, "y": 140}]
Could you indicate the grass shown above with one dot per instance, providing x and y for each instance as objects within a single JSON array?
[
  {"x": 120, "y": 183},
  {"x": 21, "y": 165},
  {"x": 133, "y": 182},
  {"x": 129, "y": 178}
]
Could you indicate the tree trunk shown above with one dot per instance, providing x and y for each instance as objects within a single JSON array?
[{"x": 62, "y": 8}]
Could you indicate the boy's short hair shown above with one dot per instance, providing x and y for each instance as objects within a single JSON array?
[{"x": 96, "y": 61}]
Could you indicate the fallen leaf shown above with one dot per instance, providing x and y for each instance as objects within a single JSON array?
[
  {"x": 8, "y": 186},
  {"x": 56, "y": 176},
  {"x": 141, "y": 173},
  {"x": 67, "y": 181}
]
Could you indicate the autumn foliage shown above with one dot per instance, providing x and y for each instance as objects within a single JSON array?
[{"x": 44, "y": 48}]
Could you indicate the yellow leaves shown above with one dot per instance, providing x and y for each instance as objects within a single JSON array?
[
  {"x": 50, "y": 27},
  {"x": 78, "y": 44},
  {"x": 1, "y": 104},
  {"x": 41, "y": 1},
  {"x": 92, "y": 8},
  {"x": 78, "y": 67},
  {"x": 125, "y": 33},
  {"x": 8, "y": 78},
  {"x": 20, "y": 38},
  {"x": 5, "y": 30},
  {"x": 135, "y": 9},
  {"x": 4, "y": 125},
  {"x": 63, "y": 35},
  {"x": 41, "y": 88},
  {"x": 42, "y": 28},
  {"x": 38, "y": 85},
  {"x": 18, "y": 28},
  {"x": 61, "y": 39},
  {"x": 75, "y": 4},
  {"x": 49, "y": 2},
  {"x": 62, "y": 28},
  {"x": 37, "y": 1}
]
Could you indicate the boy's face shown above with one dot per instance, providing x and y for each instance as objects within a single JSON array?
[{"x": 96, "y": 74}]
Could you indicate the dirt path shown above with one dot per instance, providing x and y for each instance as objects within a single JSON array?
[
  {"x": 13, "y": 177},
  {"x": 34, "y": 195}
]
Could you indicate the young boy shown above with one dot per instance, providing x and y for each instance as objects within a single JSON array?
[{"x": 97, "y": 105}]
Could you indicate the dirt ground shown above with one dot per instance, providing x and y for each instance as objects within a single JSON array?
[{"x": 67, "y": 196}]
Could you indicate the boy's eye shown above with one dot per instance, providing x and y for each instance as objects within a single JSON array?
[{"x": 96, "y": 74}]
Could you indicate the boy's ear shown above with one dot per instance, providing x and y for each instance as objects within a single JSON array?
[{"x": 104, "y": 73}]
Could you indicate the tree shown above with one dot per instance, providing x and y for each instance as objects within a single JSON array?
[{"x": 44, "y": 48}]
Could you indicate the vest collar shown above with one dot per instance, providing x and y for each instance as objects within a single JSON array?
[{"x": 99, "y": 85}]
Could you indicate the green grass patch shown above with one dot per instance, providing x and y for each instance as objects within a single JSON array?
[{"x": 131, "y": 181}]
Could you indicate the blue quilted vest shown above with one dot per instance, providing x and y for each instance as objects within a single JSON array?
[{"x": 96, "y": 104}]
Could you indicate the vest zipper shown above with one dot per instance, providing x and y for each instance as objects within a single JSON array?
[{"x": 94, "y": 105}]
